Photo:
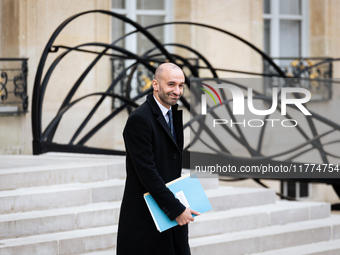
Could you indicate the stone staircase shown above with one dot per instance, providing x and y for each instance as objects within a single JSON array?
[{"x": 69, "y": 204}]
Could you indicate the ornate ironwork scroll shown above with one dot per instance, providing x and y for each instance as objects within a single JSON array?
[
  {"x": 315, "y": 74},
  {"x": 126, "y": 98},
  {"x": 13, "y": 86}
]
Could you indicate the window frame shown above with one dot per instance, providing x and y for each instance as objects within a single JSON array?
[
  {"x": 132, "y": 12},
  {"x": 275, "y": 17}
]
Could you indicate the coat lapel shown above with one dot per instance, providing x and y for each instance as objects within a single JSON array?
[
  {"x": 160, "y": 118},
  {"x": 178, "y": 125}
]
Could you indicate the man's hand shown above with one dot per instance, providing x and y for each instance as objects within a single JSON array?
[{"x": 186, "y": 216}]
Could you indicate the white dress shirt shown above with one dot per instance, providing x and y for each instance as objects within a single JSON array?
[{"x": 163, "y": 109}]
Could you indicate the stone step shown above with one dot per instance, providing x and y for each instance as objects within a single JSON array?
[
  {"x": 321, "y": 248},
  {"x": 240, "y": 219},
  {"x": 226, "y": 197},
  {"x": 23, "y": 171},
  {"x": 105, "y": 252},
  {"x": 56, "y": 220},
  {"x": 57, "y": 196},
  {"x": 85, "y": 206},
  {"x": 75, "y": 194},
  {"x": 208, "y": 181},
  {"x": 69, "y": 242},
  {"x": 101, "y": 214},
  {"x": 33, "y": 171},
  {"x": 80, "y": 156},
  {"x": 269, "y": 238},
  {"x": 103, "y": 240}
]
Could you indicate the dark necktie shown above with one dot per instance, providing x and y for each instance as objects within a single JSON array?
[{"x": 171, "y": 124}]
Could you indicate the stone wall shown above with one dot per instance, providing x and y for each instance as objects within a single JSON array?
[
  {"x": 243, "y": 18},
  {"x": 26, "y": 26}
]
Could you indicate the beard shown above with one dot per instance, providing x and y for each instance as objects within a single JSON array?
[{"x": 170, "y": 98}]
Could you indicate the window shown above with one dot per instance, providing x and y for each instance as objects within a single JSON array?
[
  {"x": 145, "y": 12},
  {"x": 286, "y": 25},
  {"x": 286, "y": 29}
]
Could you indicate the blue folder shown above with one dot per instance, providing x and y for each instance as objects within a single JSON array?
[{"x": 189, "y": 191}]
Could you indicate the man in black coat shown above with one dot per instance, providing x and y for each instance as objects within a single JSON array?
[{"x": 154, "y": 157}]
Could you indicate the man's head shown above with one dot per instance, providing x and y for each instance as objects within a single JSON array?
[{"x": 168, "y": 84}]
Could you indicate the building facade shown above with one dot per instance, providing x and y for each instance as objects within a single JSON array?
[{"x": 281, "y": 28}]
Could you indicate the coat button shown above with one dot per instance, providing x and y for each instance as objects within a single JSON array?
[{"x": 175, "y": 155}]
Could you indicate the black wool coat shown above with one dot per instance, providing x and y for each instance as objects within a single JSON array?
[{"x": 153, "y": 159}]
